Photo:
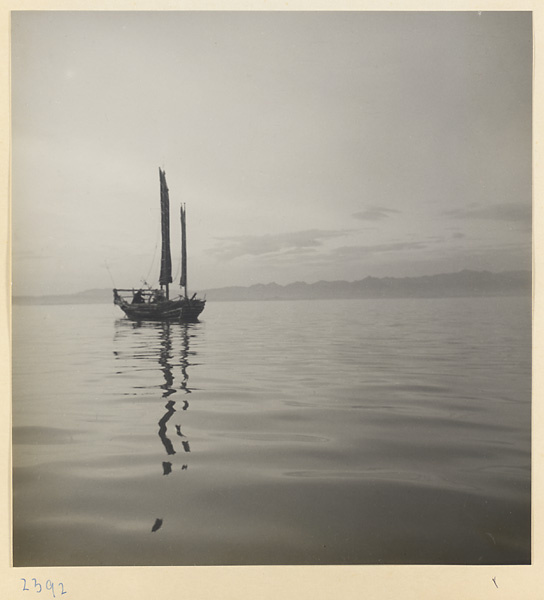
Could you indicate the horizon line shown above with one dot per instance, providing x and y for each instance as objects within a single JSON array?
[{"x": 292, "y": 283}]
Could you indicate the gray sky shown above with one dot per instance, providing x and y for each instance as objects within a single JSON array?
[{"x": 306, "y": 146}]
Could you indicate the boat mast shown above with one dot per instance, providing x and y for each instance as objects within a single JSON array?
[
  {"x": 166, "y": 260},
  {"x": 183, "y": 279}
]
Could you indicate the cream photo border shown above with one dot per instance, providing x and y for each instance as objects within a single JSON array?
[{"x": 271, "y": 582}]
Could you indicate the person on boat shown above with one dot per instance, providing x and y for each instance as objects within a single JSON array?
[
  {"x": 138, "y": 297},
  {"x": 158, "y": 296}
]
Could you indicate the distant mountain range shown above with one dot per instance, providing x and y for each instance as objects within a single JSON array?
[{"x": 446, "y": 285}]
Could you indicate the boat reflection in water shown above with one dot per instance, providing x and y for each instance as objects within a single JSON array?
[
  {"x": 165, "y": 360},
  {"x": 167, "y": 344}
]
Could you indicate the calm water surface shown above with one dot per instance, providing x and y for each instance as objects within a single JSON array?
[{"x": 322, "y": 432}]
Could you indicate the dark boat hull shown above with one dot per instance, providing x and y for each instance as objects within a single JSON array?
[{"x": 181, "y": 309}]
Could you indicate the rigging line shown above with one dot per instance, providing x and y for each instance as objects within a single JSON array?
[
  {"x": 109, "y": 272},
  {"x": 151, "y": 266},
  {"x": 177, "y": 270}
]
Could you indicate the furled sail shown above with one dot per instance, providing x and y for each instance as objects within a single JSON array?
[
  {"x": 166, "y": 260},
  {"x": 183, "y": 279}
]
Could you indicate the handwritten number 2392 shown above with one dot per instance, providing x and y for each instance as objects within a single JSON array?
[{"x": 49, "y": 585}]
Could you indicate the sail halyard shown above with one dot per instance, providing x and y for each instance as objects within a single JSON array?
[
  {"x": 183, "y": 279},
  {"x": 166, "y": 259}
]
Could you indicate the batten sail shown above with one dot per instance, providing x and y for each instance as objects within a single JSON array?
[
  {"x": 183, "y": 279},
  {"x": 166, "y": 260}
]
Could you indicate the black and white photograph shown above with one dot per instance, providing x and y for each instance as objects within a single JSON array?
[{"x": 271, "y": 288}]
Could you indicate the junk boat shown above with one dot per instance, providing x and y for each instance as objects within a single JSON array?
[{"x": 155, "y": 304}]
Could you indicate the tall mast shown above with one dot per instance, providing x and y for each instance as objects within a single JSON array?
[
  {"x": 183, "y": 279},
  {"x": 166, "y": 260}
]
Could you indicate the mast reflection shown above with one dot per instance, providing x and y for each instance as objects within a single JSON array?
[
  {"x": 163, "y": 428},
  {"x": 152, "y": 343},
  {"x": 167, "y": 334},
  {"x": 165, "y": 360}
]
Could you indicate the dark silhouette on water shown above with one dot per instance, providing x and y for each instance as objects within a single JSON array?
[{"x": 157, "y": 525}]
